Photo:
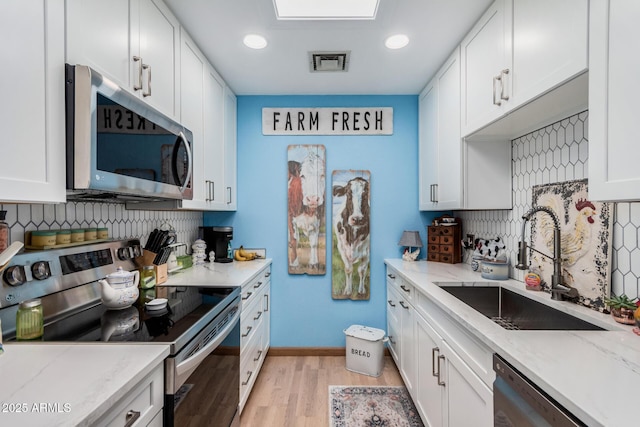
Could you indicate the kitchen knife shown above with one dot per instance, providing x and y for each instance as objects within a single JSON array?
[{"x": 152, "y": 236}]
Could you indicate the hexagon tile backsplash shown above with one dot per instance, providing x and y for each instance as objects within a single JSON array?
[
  {"x": 556, "y": 153},
  {"x": 122, "y": 223}
]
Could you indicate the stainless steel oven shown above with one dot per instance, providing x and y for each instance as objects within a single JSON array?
[
  {"x": 518, "y": 402},
  {"x": 201, "y": 325}
]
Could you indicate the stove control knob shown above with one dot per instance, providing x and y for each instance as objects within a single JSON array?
[
  {"x": 41, "y": 270},
  {"x": 14, "y": 275},
  {"x": 125, "y": 253}
]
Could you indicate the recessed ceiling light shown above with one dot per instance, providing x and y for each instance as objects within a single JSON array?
[
  {"x": 397, "y": 41},
  {"x": 255, "y": 41},
  {"x": 326, "y": 9}
]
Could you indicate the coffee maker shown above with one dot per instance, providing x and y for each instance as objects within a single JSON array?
[{"x": 218, "y": 240}]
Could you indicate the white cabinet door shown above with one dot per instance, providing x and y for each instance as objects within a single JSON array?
[
  {"x": 469, "y": 400},
  {"x": 393, "y": 323},
  {"x": 214, "y": 138},
  {"x": 32, "y": 111},
  {"x": 428, "y": 146},
  {"x": 548, "y": 47},
  {"x": 230, "y": 150},
  {"x": 485, "y": 60},
  {"x": 192, "y": 73},
  {"x": 407, "y": 341},
  {"x": 159, "y": 44},
  {"x": 133, "y": 42},
  {"x": 429, "y": 394},
  {"x": 449, "y": 191},
  {"x": 614, "y": 89}
]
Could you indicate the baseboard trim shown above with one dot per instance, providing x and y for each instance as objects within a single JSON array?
[{"x": 311, "y": 351}]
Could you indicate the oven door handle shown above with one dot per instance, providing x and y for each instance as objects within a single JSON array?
[{"x": 197, "y": 357}]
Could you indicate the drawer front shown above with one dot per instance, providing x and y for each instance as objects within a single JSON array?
[
  {"x": 446, "y": 240},
  {"x": 446, "y": 231},
  {"x": 392, "y": 275},
  {"x": 433, "y": 256},
  {"x": 434, "y": 248},
  {"x": 250, "y": 321},
  {"x": 434, "y": 239},
  {"x": 253, "y": 287},
  {"x": 143, "y": 402},
  {"x": 446, "y": 249},
  {"x": 446, "y": 258}
]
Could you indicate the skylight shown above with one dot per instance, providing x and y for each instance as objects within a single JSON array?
[{"x": 326, "y": 9}]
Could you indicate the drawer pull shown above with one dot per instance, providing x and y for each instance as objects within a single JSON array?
[
  {"x": 391, "y": 340},
  {"x": 404, "y": 288},
  {"x": 258, "y": 316},
  {"x": 440, "y": 382},
  {"x": 404, "y": 306},
  {"x": 131, "y": 417},
  {"x": 247, "y": 334},
  {"x": 267, "y": 274},
  {"x": 259, "y": 354},
  {"x": 248, "y": 378},
  {"x": 257, "y": 285},
  {"x": 391, "y": 276},
  {"x": 246, "y": 297},
  {"x": 391, "y": 303}
]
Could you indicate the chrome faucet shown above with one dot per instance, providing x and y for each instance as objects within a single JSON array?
[{"x": 559, "y": 291}]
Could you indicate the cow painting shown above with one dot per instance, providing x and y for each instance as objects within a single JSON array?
[
  {"x": 351, "y": 235},
  {"x": 306, "y": 200}
]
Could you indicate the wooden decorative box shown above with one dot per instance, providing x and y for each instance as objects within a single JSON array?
[{"x": 444, "y": 243}]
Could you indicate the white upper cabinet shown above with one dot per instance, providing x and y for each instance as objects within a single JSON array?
[
  {"x": 519, "y": 65},
  {"x": 214, "y": 139},
  {"x": 614, "y": 90},
  {"x": 440, "y": 153},
  {"x": 133, "y": 42},
  {"x": 230, "y": 149},
  {"x": 32, "y": 112},
  {"x": 486, "y": 63}
]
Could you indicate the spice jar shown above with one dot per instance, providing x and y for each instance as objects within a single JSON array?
[
  {"x": 147, "y": 277},
  {"x": 63, "y": 237},
  {"x": 4, "y": 231},
  {"x": 43, "y": 238},
  {"x": 77, "y": 235},
  {"x": 29, "y": 320},
  {"x": 90, "y": 234},
  {"x": 103, "y": 233}
]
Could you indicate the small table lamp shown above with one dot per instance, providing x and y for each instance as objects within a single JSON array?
[{"x": 410, "y": 239}]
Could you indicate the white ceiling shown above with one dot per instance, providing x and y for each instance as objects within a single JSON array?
[{"x": 434, "y": 27}]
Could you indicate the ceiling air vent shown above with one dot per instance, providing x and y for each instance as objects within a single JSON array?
[{"x": 329, "y": 61}]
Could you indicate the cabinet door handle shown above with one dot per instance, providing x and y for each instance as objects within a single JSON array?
[
  {"x": 404, "y": 288},
  {"x": 434, "y": 350},
  {"x": 259, "y": 354},
  {"x": 249, "y": 373},
  {"x": 496, "y": 79},
  {"x": 246, "y": 297},
  {"x": 391, "y": 303},
  {"x": 138, "y": 86},
  {"x": 391, "y": 340},
  {"x": 267, "y": 302},
  {"x": 208, "y": 185},
  {"x": 258, "y": 316},
  {"x": 440, "y": 382},
  {"x": 503, "y": 84},
  {"x": 148, "y": 92},
  {"x": 404, "y": 306},
  {"x": 229, "y": 202},
  {"x": 248, "y": 330},
  {"x": 131, "y": 417},
  {"x": 434, "y": 193}
]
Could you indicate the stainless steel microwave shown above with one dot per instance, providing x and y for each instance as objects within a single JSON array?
[{"x": 118, "y": 147}]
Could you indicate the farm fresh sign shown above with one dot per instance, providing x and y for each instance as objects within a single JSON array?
[{"x": 327, "y": 121}]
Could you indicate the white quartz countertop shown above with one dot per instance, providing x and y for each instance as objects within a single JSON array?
[
  {"x": 594, "y": 374},
  {"x": 215, "y": 274},
  {"x": 69, "y": 385}
]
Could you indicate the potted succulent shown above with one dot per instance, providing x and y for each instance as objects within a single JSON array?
[{"x": 622, "y": 308}]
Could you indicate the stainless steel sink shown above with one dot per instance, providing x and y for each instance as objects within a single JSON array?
[{"x": 514, "y": 311}]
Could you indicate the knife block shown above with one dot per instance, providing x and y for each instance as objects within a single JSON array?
[{"x": 161, "y": 270}]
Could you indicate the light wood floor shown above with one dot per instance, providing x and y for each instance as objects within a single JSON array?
[{"x": 292, "y": 391}]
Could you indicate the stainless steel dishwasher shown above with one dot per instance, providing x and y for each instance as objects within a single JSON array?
[{"x": 517, "y": 402}]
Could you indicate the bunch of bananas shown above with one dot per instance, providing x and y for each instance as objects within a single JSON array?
[{"x": 242, "y": 255}]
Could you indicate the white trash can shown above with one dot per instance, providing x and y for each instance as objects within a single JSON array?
[{"x": 365, "y": 350}]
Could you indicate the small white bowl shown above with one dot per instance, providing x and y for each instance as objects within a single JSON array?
[{"x": 156, "y": 304}]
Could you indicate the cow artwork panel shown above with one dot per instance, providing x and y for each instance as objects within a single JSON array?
[
  {"x": 305, "y": 210},
  {"x": 350, "y": 235}
]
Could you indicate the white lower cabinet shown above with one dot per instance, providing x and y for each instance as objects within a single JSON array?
[
  {"x": 255, "y": 327},
  {"x": 447, "y": 372},
  {"x": 142, "y": 406}
]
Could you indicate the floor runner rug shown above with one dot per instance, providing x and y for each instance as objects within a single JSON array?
[
  {"x": 372, "y": 406},
  {"x": 181, "y": 394}
]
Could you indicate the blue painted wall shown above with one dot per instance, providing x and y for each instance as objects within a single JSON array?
[{"x": 303, "y": 312}]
